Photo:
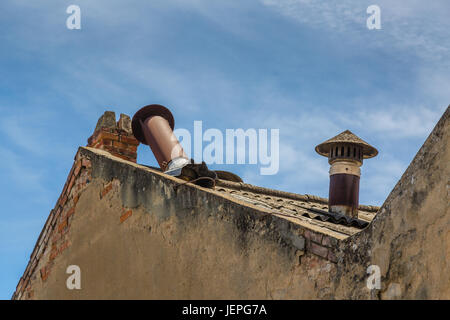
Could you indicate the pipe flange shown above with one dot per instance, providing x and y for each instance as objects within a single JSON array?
[{"x": 148, "y": 111}]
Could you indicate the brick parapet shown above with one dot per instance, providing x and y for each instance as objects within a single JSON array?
[
  {"x": 116, "y": 138},
  {"x": 321, "y": 245}
]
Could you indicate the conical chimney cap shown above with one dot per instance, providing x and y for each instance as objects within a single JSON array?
[{"x": 346, "y": 137}]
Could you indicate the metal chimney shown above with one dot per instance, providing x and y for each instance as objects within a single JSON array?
[
  {"x": 153, "y": 125},
  {"x": 345, "y": 154}
]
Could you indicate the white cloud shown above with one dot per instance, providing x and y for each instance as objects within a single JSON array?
[
  {"x": 29, "y": 132},
  {"x": 331, "y": 14},
  {"x": 29, "y": 180},
  {"x": 302, "y": 171},
  {"x": 17, "y": 131},
  {"x": 379, "y": 177},
  {"x": 418, "y": 26},
  {"x": 397, "y": 122}
]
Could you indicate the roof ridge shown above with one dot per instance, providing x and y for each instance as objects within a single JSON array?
[
  {"x": 283, "y": 194},
  {"x": 346, "y": 137}
]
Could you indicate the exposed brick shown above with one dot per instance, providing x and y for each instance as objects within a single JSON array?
[
  {"x": 46, "y": 240},
  {"x": 63, "y": 200},
  {"x": 83, "y": 182},
  {"x": 33, "y": 265},
  {"x": 131, "y": 148},
  {"x": 62, "y": 225},
  {"x": 20, "y": 284},
  {"x": 47, "y": 226},
  {"x": 40, "y": 250},
  {"x": 99, "y": 137},
  {"x": 27, "y": 271},
  {"x": 45, "y": 271},
  {"x": 34, "y": 253},
  {"x": 108, "y": 135},
  {"x": 64, "y": 189},
  {"x": 70, "y": 173},
  {"x": 97, "y": 144},
  {"x": 77, "y": 168},
  {"x": 108, "y": 142},
  {"x": 332, "y": 257},
  {"x": 55, "y": 217},
  {"x": 93, "y": 139},
  {"x": 129, "y": 140},
  {"x": 75, "y": 200},
  {"x": 117, "y": 140},
  {"x": 316, "y": 237},
  {"x": 69, "y": 187},
  {"x": 126, "y": 215},
  {"x": 56, "y": 237},
  {"x": 120, "y": 145},
  {"x": 26, "y": 283},
  {"x": 318, "y": 250},
  {"x": 53, "y": 254},
  {"x": 110, "y": 149},
  {"x": 70, "y": 212},
  {"x": 106, "y": 190},
  {"x": 64, "y": 246},
  {"x": 328, "y": 241},
  {"x": 121, "y": 157},
  {"x": 128, "y": 153}
]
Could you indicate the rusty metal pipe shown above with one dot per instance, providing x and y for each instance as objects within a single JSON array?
[
  {"x": 344, "y": 194},
  {"x": 153, "y": 125},
  {"x": 344, "y": 187}
]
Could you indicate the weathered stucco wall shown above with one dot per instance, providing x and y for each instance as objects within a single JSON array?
[
  {"x": 135, "y": 234},
  {"x": 409, "y": 239}
]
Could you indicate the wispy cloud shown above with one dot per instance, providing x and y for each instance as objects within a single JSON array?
[
  {"x": 309, "y": 68},
  {"x": 19, "y": 175},
  {"x": 303, "y": 171},
  {"x": 408, "y": 25},
  {"x": 396, "y": 122},
  {"x": 28, "y": 132}
]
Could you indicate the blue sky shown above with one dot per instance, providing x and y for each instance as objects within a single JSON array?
[{"x": 310, "y": 68}]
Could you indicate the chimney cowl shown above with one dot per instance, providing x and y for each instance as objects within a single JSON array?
[{"x": 345, "y": 153}]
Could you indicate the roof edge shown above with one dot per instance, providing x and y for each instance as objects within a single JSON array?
[{"x": 284, "y": 194}]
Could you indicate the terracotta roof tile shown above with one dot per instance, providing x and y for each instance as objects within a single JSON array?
[{"x": 311, "y": 210}]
